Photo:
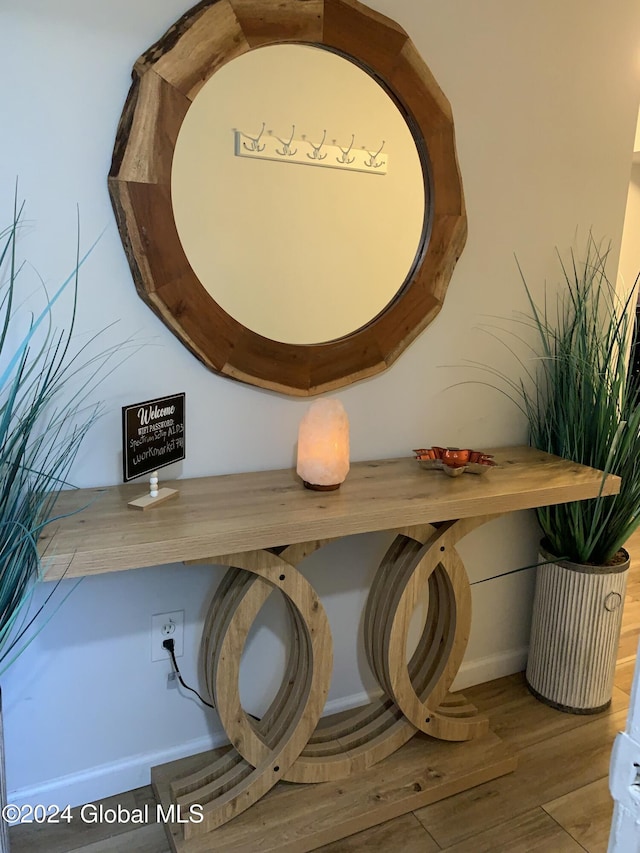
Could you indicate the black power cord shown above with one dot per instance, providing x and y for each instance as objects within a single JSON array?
[{"x": 170, "y": 646}]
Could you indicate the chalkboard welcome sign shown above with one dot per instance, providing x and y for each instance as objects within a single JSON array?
[{"x": 152, "y": 435}]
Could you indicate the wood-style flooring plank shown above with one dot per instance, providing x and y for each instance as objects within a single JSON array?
[
  {"x": 630, "y": 631},
  {"x": 585, "y": 814},
  {"x": 624, "y": 675},
  {"x": 520, "y": 720},
  {"x": 628, "y": 647},
  {"x": 404, "y": 834},
  {"x": 77, "y": 834},
  {"x": 546, "y": 770},
  {"x": 145, "y": 839},
  {"x": 633, "y": 577},
  {"x": 531, "y": 832}
]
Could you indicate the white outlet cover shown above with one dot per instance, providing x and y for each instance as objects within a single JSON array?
[{"x": 160, "y": 631}]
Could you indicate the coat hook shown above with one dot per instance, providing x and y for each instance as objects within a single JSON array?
[
  {"x": 316, "y": 155},
  {"x": 373, "y": 162},
  {"x": 286, "y": 146},
  {"x": 344, "y": 157},
  {"x": 255, "y": 141}
]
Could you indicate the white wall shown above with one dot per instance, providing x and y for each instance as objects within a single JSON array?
[{"x": 545, "y": 108}]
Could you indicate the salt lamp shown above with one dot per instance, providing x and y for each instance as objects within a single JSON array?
[{"x": 323, "y": 445}]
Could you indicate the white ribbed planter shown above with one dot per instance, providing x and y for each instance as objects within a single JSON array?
[{"x": 577, "y": 613}]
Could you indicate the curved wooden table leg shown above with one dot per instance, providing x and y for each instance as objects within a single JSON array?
[
  {"x": 420, "y": 688},
  {"x": 231, "y": 784},
  {"x": 363, "y": 737},
  {"x": 287, "y": 742}
]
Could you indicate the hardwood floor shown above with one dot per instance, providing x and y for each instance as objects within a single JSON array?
[{"x": 557, "y": 801}]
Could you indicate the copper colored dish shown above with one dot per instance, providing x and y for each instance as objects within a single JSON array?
[{"x": 454, "y": 461}]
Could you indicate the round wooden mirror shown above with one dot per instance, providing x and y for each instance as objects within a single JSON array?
[
  {"x": 298, "y": 255},
  {"x": 219, "y": 320}
]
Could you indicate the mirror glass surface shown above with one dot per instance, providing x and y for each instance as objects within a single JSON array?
[{"x": 296, "y": 253}]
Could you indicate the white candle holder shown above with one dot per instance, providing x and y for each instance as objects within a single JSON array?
[{"x": 156, "y": 495}]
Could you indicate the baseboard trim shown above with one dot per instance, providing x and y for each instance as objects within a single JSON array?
[
  {"x": 107, "y": 779},
  {"x": 488, "y": 668},
  {"x": 104, "y": 780}
]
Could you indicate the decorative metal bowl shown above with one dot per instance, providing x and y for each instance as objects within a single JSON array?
[{"x": 454, "y": 461}]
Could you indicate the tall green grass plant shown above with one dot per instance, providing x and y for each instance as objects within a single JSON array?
[
  {"x": 44, "y": 417},
  {"x": 582, "y": 403}
]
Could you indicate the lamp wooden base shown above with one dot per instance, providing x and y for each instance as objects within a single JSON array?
[{"x": 295, "y": 818}]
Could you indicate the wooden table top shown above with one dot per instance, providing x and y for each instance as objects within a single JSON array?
[{"x": 242, "y": 512}]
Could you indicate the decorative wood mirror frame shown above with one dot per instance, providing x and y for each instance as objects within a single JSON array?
[{"x": 167, "y": 78}]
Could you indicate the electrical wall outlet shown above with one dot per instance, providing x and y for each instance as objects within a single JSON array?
[{"x": 167, "y": 626}]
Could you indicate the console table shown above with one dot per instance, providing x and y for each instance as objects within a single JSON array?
[{"x": 364, "y": 766}]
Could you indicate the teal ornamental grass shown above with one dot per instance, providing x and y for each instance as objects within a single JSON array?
[{"x": 45, "y": 385}]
